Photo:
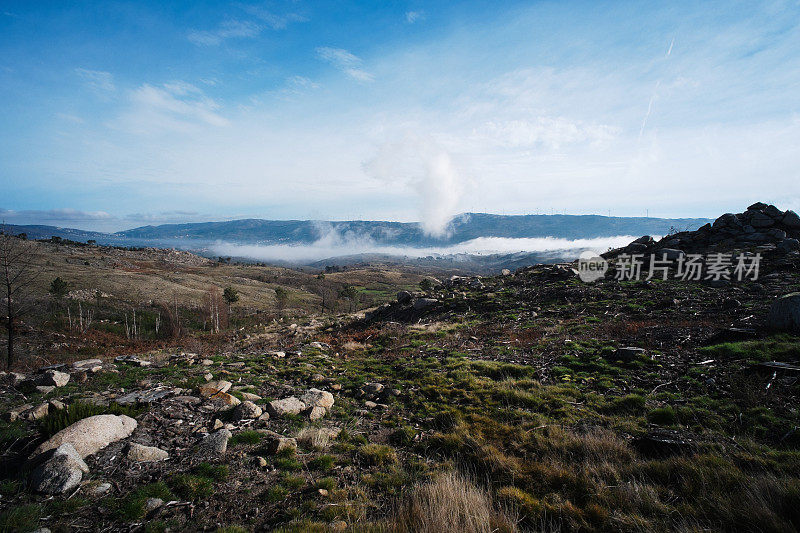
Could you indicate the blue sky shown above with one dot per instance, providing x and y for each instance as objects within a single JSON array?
[{"x": 121, "y": 114}]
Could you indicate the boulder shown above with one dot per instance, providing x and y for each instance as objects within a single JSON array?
[
  {"x": 628, "y": 353},
  {"x": 791, "y": 220},
  {"x": 52, "y": 378},
  {"x": 761, "y": 220},
  {"x": 146, "y": 454},
  {"x": 250, "y": 396},
  {"x": 315, "y": 413},
  {"x": 216, "y": 443},
  {"x": 290, "y": 406},
  {"x": 318, "y": 398},
  {"x": 91, "y": 434},
  {"x": 226, "y": 399},
  {"x": 404, "y": 297},
  {"x": 788, "y": 245},
  {"x": 424, "y": 303},
  {"x": 784, "y": 314},
  {"x": 61, "y": 472},
  {"x": 246, "y": 410}
]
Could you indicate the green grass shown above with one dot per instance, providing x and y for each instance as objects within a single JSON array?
[
  {"x": 190, "y": 487},
  {"x": 245, "y": 437},
  {"x": 131, "y": 507},
  {"x": 323, "y": 462},
  {"x": 21, "y": 518},
  {"x": 377, "y": 454},
  {"x": 62, "y": 418}
]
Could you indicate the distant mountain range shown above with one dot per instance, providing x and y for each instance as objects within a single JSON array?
[{"x": 463, "y": 228}]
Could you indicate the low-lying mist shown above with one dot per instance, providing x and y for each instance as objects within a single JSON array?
[{"x": 336, "y": 245}]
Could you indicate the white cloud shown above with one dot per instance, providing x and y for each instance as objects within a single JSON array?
[
  {"x": 414, "y": 16},
  {"x": 230, "y": 29},
  {"x": 173, "y": 106},
  {"x": 97, "y": 80},
  {"x": 346, "y": 62}
]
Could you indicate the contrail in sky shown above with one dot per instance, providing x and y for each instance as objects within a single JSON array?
[{"x": 655, "y": 93}]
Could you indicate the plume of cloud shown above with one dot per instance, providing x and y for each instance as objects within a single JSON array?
[
  {"x": 345, "y": 61},
  {"x": 430, "y": 171},
  {"x": 414, "y": 16}
]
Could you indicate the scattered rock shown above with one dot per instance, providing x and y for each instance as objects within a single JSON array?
[
  {"x": 276, "y": 442},
  {"x": 91, "y": 434},
  {"x": 250, "y": 396},
  {"x": 628, "y": 353},
  {"x": 318, "y": 398},
  {"x": 206, "y": 362},
  {"x": 145, "y": 396},
  {"x": 424, "y": 303},
  {"x": 99, "y": 490},
  {"x": 146, "y": 454},
  {"x": 61, "y": 472}
]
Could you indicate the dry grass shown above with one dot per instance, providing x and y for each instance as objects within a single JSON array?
[{"x": 450, "y": 504}]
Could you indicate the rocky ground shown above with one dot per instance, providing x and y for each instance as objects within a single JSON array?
[{"x": 620, "y": 405}]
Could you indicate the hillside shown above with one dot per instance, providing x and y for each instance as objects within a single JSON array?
[
  {"x": 530, "y": 401},
  {"x": 463, "y": 228}
]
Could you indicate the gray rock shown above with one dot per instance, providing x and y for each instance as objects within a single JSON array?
[
  {"x": 246, "y": 410},
  {"x": 758, "y": 206},
  {"x": 215, "y": 443},
  {"x": 52, "y": 378},
  {"x": 628, "y": 353},
  {"x": 791, "y": 220},
  {"x": 760, "y": 220},
  {"x": 275, "y": 442},
  {"x": 404, "y": 297},
  {"x": 145, "y": 396},
  {"x": 45, "y": 389},
  {"x": 424, "y": 303},
  {"x": 214, "y": 387},
  {"x": 146, "y": 454},
  {"x": 315, "y": 413},
  {"x": 60, "y": 473},
  {"x": 101, "y": 489},
  {"x": 672, "y": 253},
  {"x": 290, "y": 405},
  {"x": 16, "y": 413},
  {"x": 784, "y": 314},
  {"x": 317, "y": 398},
  {"x": 372, "y": 388},
  {"x": 91, "y": 434},
  {"x": 788, "y": 245},
  {"x": 151, "y": 504}
]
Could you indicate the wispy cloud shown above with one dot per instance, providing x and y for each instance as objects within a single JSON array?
[
  {"x": 274, "y": 20},
  {"x": 230, "y": 29},
  {"x": 51, "y": 216},
  {"x": 414, "y": 16},
  {"x": 345, "y": 61},
  {"x": 172, "y": 106},
  {"x": 97, "y": 80}
]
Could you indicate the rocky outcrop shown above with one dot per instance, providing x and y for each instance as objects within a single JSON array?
[
  {"x": 761, "y": 226},
  {"x": 91, "y": 434}
]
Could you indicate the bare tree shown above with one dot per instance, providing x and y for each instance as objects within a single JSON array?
[{"x": 18, "y": 272}]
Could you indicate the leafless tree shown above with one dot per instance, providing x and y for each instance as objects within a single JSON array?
[{"x": 18, "y": 272}]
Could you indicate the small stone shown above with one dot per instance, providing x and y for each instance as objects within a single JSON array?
[
  {"x": 45, "y": 389},
  {"x": 151, "y": 504},
  {"x": 206, "y": 362},
  {"x": 208, "y": 376},
  {"x": 322, "y": 492},
  {"x": 260, "y": 462},
  {"x": 372, "y": 388},
  {"x": 250, "y": 396},
  {"x": 218, "y": 424},
  {"x": 276, "y": 442},
  {"x": 315, "y": 413},
  {"x": 370, "y": 404},
  {"x": 15, "y": 413},
  {"x": 216, "y": 443},
  {"x": 100, "y": 489},
  {"x": 38, "y": 412},
  {"x": 146, "y": 454},
  {"x": 214, "y": 387},
  {"x": 56, "y": 405},
  {"x": 226, "y": 399}
]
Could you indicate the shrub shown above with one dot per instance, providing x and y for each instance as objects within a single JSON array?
[
  {"x": 62, "y": 418},
  {"x": 191, "y": 487},
  {"x": 323, "y": 462},
  {"x": 246, "y": 437},
  {"x": 663, "y": 416}
]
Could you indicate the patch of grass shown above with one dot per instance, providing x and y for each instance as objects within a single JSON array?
[
  {"x": 323, "y": 462},
  {"x": 131, "y": 506},
  {"x": 191, "y": 487},
  {"x": 275, "y": 493},
  {"x": 288, "y": 464},
  {"x": 292, "y": 482},
  {"x": 327, "y": 483},
  {"x": 246, "y": 437},
  {"x": 663, "y": 416},
  {"x": 377, "y": 454},
  {"x": 21, "y": 518},
  {"x": 215, "y": 472},
  {"x": 62, "y": 418}
]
